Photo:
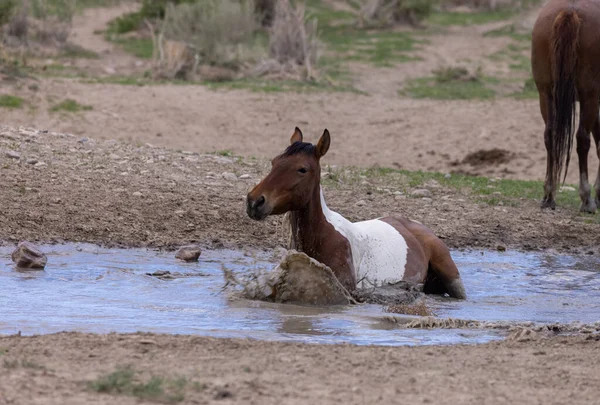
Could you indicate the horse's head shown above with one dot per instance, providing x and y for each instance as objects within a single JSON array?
[{"x": 292, "y": 181}]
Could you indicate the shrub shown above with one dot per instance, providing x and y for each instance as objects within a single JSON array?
[
  {"x": 265, "y": 11},
  {"x": 208, "y": 32},
  {"x": 293, "y": 39},
  {"x": 7, "y": 7},
  {"x": 42, "y": 21},
  {"x": 384, "y": 13}
]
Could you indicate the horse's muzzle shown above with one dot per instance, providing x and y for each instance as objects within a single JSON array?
[{"x": 257, "y": 209}]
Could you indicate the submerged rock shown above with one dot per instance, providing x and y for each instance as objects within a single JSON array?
[
  {"x": 189, "y": 253},
  {"x": 28, "y": 256}
]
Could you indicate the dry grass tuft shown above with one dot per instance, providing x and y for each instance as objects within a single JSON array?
[
  {"x": 205, "y": 33},
  {"x": 293, "y": 43},
  {"x": 387, "y": 13},
  {"x": 34, "y": 24}
]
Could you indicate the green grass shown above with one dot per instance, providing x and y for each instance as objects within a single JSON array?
[
  {"x": 509, "y": 31},
  {"x": 8, "y": 101},
  {"x": 138, "y": 47},
  {"x": 477, "y": 188},
  {"x": 69, "y": 105},
  {"x": 225, "y": 152},
  {"x": 124, "y": 80},
  {"x": 529, "y": 91},
  {"x": 347, "y": 42},
  {"x": 270, "y": 86},
  {"x": 124, "y": 381},
  {"x": 429, "y": 87},
  {"x": 458, "y": 18},
  {"x": 76, "y": 51}
]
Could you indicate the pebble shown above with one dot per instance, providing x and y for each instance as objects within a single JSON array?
[
  {"x": 137, "y": 194},
  {"x": 360, "y": 203},
  {"x": 13, "y": 155},
  {"x": 229, "y": 176},
  {"x": 245, "y": 177},
  {"x": 39, "y": 164},
  {"x": 114, "y": 156},
  {"x": 32, "y": 161},
  {"x": 447, "y": 175},
  {"x": 423, "y": 192}
]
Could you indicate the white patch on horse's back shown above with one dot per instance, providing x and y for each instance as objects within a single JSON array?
[{"x": 379, "y": 251}]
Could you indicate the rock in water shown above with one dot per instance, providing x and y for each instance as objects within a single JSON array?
[
  {"x": 301, "y": 279},
  {"x": 189, "y": 253},
  {"x": 28, "y": 256}
]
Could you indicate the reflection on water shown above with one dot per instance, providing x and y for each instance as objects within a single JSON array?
[{"x": 87, "y": 288}]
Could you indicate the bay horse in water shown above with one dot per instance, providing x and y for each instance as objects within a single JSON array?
[
  {"x": 565, "y": 59},
  {"x": 377, "y": 252}
]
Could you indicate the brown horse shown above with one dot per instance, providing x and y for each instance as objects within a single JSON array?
[
  {"x": 376, "y": 252},
  {"x": 565, "y": 59}
]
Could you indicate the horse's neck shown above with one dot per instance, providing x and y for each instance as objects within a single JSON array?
[{"x": 311, "y": 223}]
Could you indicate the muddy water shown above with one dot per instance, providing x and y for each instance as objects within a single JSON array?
[{"x": 86, "y": 288}]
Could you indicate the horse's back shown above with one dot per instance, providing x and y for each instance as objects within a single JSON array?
[
  {"x": 588, "y": 49},
  {"x": 379, "y": 251}
]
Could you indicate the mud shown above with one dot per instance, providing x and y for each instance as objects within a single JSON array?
[{"x": 120, "y": 194}]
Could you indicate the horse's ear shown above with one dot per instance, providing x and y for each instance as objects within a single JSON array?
[
  {"x": 297, "y": 137},
  {"x": 323, "y": 145}
]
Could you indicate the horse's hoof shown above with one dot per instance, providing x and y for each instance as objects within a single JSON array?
[
  {"x": 589, "y": 207},
  {"x": 547, "y": 203}
]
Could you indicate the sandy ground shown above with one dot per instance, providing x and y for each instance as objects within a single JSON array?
[
  {"x": 380, "y": 128},
  {"x": 401, "y": 133},
  {"x": 57, "y": 369}
]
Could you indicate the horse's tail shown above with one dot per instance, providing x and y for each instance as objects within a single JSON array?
[{"x": 564, "y": 42}]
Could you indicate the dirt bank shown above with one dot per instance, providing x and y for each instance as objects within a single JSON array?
[
  {"x": 58, "y": 369},
  {"x": 58, "y": 187}
]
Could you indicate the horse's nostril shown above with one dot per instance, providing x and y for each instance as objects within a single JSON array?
[{"x": 259, "y": 203}]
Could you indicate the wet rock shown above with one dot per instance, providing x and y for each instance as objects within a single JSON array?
[
  {"x": 422, "y": 192},
  {"x": 189, "y": 253},
  {"x": 28, "y": 256},
  {"x": 297, "y": 279},
  {"x": 13, "y": 155},
  {"x": 301, "y": 279},
  {"x": 167, "y": 275}
]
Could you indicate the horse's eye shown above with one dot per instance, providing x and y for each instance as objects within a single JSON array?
[{"x": 302, "y": 170}]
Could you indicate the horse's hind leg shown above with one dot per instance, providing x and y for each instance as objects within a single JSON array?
[
  {"x": 443, "y": 273},
  {"x": 551, "y": 181},
  {"x": 596, "y": 133},
  {"x": 587, "y": 121}
]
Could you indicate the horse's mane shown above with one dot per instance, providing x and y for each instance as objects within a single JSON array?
[
  {"x": 291, "y": 231},
  {"x": 299, "y": 147}
]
